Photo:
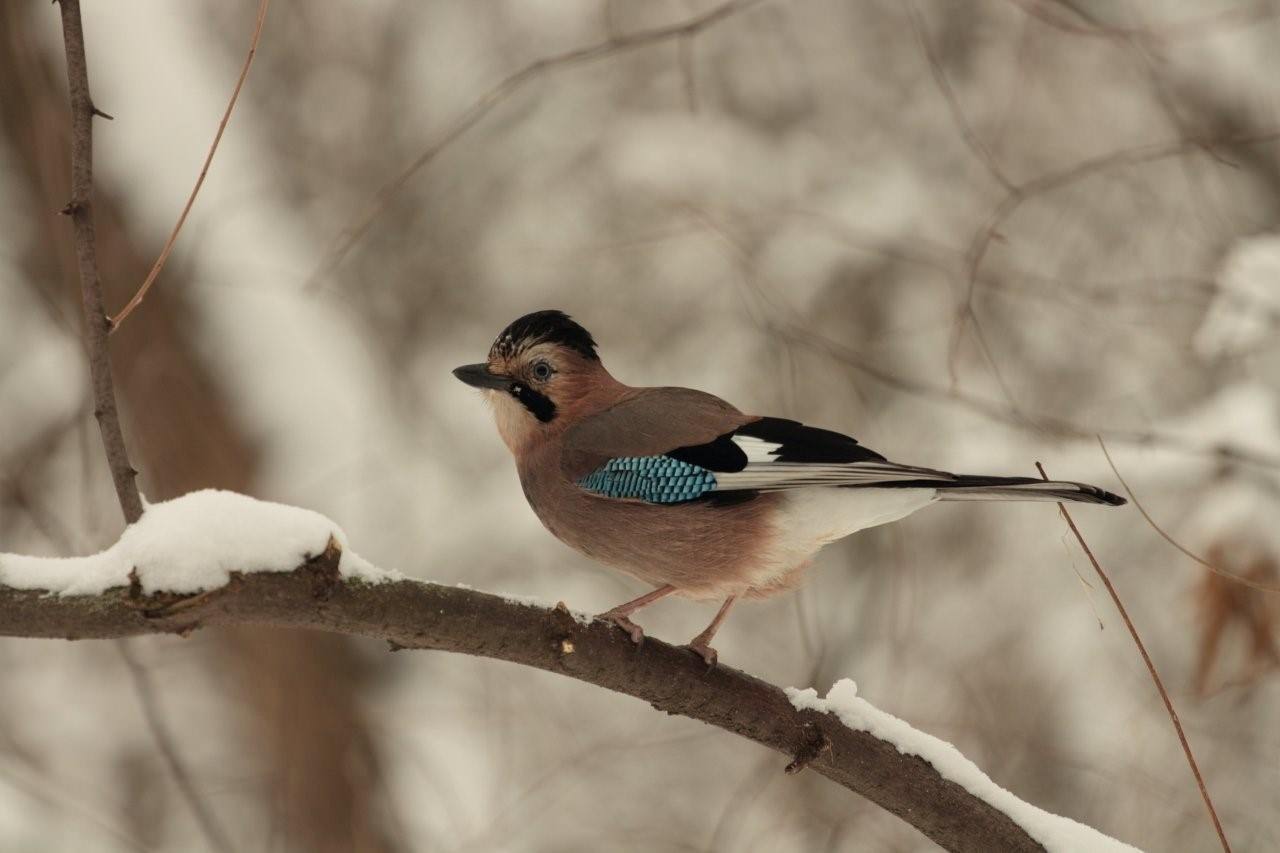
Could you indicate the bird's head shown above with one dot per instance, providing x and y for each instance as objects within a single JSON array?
[{"x": 541, "y": 374}]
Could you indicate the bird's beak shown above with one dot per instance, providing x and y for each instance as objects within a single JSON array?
[{"x": 480, "y": 376}]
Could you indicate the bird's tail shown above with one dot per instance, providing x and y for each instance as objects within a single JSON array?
[{"x": 968, "y": 487}]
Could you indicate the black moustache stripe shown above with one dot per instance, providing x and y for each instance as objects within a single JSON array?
[{"x": 539, "y": 404}]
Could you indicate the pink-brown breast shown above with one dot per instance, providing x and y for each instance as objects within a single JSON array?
[{"x": 704, "y": 549}]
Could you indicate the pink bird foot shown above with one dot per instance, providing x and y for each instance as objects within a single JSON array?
[
  {"x": 622, "y": 621},
  {"x": 704, "y": 651}
]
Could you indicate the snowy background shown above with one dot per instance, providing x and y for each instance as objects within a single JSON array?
[{"x": 972, "y": 235}]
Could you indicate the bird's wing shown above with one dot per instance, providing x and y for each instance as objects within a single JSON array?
[
  {"x": 670, "y": 445},
  {"x": 785, "y": 454},
  {"x": 648, "y": 422}
]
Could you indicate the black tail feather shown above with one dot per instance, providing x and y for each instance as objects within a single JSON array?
[{"x": 972, "y": 487}]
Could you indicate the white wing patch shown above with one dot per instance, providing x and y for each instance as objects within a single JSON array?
[
  {"x": 765, "y": 471},
  {"x": 757, "y": 449}
]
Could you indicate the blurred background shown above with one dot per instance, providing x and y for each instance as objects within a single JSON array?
[{"x": 973, "y": 235}]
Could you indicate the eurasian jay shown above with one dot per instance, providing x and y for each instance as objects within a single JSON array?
[{"x": 683, "y": 491}]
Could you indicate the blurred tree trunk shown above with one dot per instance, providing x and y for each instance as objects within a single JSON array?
[{"x": 299, "y": 692}]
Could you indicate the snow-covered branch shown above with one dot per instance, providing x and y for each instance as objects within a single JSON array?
[{"x": 218, "y": 558}]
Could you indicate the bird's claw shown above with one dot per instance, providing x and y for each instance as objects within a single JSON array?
[
  {"x": 704, "y": 651},
  {"x": 634, "y": 631}
]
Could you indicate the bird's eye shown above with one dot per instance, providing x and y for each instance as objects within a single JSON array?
[{"x": 541, "y": 371}]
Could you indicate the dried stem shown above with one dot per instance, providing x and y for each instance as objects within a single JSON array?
[
  {"x": 137, "y": 298},
  {"x": 80, "y": 209},
  {"x": 1151, "y": 668}
]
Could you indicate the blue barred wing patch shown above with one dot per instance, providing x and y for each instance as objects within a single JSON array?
[{"x": 657, "y": 479}]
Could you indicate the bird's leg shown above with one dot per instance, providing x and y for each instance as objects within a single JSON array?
[
  {"x": 702, "y": 643},
  {"x": 619, "y": 615}
]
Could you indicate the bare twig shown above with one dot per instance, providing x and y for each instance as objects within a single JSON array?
[
  {"x": 481, "y": 107},
  {"x": 1151, "y": 668},
  {"x": 988, "y": 231},
  {"x": 1060, "y": 178},
  {"x": 1231, "y": 576},
  {"x": 97, "y": 328},
  {"x": 1209, "y": 24},
  {"x": 30, "y": 779},
  {"x": 993, "y": 410},
  {"x": 216, "y": 835},
  {"x": 137, "y": 298},
  {"x": 80, "y": 209},
  {"x": 971, "y": 139},
  {"x": 684, "y": 51},
  {"x": 413, "y": 614}
]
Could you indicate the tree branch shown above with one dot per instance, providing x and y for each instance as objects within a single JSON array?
[
  {"x": 412, "y": 614},
  {"x": 80, "y": 209}
]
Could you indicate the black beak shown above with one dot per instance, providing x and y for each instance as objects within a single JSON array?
[{"x": 479, "y": 376}]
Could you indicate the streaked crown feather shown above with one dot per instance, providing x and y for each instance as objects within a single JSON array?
[{"x": 540, "y": 327}]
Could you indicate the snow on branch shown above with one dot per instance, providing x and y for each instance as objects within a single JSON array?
[
  {"x": 192, "y": 544},
  {"x": 1052, "y": 831},
  {"x": 218, "y": 558}
]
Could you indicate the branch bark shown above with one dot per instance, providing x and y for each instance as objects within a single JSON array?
[
  {"x": 80, "y": 209},
  {"x": 411, "y": 614}
]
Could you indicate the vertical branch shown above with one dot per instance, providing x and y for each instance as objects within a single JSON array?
[
  {"x": 97, "y": 327},
  {"x": 80, "y": 209}
]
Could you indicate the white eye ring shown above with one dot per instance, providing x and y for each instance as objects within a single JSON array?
[{"x": 542, "y": 371}]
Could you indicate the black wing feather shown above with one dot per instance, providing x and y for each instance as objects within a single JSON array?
[
  {"x": 800, "y": 443},
  {"x": 720, "y": 454}
]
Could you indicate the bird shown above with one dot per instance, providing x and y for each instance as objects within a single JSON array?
[{"x": 683, "y": 491}]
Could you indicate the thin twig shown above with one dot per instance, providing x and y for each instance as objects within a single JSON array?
[
  {"x": 481, "y": 107},
  {"x": 1231, "y": 576},
  {"x": 31, "y": 779},
  {"x": 1151, "y": 668},
  {"x": 684, "y": 53},
  {"x": 213, "y": 831},
  {"x": 80, "y": 209},
  {"x": 971, "y": 139},
  {"x": 204, "y": 170},
  {"x": 1213, "y": 23},
  {"x": 97, "y": 329},
  {"x": 1059, "y": 178},
  {"x": 993, "y": 410},
  {"x": 989, "y": 230}
]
